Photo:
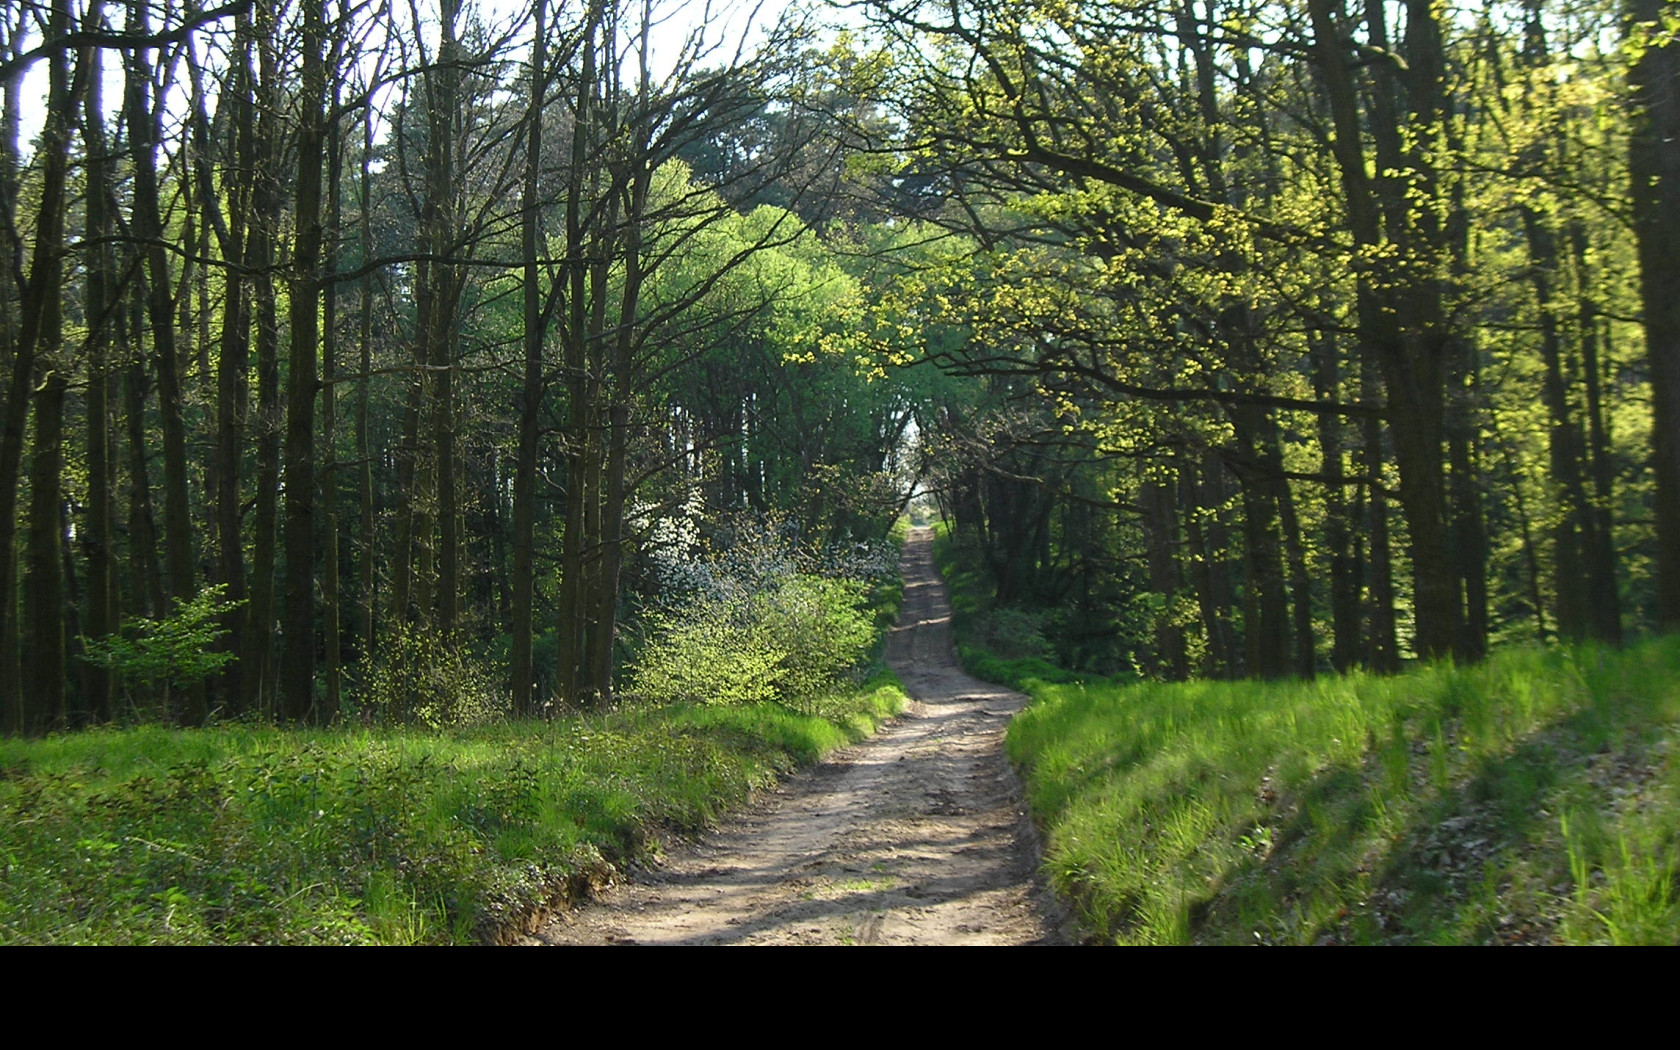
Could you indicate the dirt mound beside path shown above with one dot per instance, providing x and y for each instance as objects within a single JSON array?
[{"x": 916, "y": 836}]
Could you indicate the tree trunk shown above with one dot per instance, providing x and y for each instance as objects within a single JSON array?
[
  {"x": 297, "y": 673},
  {"x": 1654, "y": 174},
  {"x": 40, "y": 334},
  {"x": 531, "y": 385},
  {"x": 103, "y": 313},
  {"x": 233, "y": 370},
  {"x": 258, "y": 675}
]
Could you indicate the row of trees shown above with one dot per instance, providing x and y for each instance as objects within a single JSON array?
[
  {"x": 428, "y": 323},
  {"x": 1312, "y": 319},
  {"x": 1260, "y": 324}
]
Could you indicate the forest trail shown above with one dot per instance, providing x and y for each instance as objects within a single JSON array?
[{"x": 915, "y": 836}]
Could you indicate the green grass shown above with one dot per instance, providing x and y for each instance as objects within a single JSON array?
[
  {"x": 1534, "y": 798},
  {"x": 252, "y": 834},
  {"x": 261, "y": 835}
]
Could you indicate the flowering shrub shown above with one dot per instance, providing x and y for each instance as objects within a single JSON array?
[
  {"x": 795, "y": 637},
  {"x": 760, "y": 619}
]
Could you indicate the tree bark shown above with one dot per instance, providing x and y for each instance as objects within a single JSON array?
[
  {"x": 297, "y": 673},
  {"x": 1654, "y": 174},
  {"x": 531, "y": 382}
]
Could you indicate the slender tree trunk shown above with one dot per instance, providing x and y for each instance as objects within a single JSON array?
[
  {"x": 1601, "y": 552},
  {"x": 103, "y": 313},
  {"x": 1339, "y": 535},
  {"x": 1570, "y": 535},
  {"x": 1382, "y": 653},
  {"x": 13, "y": 407},
  {"x": 233, "y": 369},
  {"x": 531, "y": 386},
  {"x": 43, "y": 585},
  {"x": 297, "y": 673},
  {"x": 328, "y": 494},
  {"x": 1170, "y": 660},
  {"x": 438, "y": 225},
  {"x": 258, "y": 674},
  {"x": 148, "y": 594},
  {"x": 144, "y": 120},
  {"x": 364, "y": 453},
  {"x": 572, "y": 621}
]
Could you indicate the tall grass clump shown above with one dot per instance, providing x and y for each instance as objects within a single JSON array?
[{"x": 1534, "y": 798}]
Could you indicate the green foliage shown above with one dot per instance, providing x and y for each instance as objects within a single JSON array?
[
  {"x": 420, "y": 678},
  {"x": 178, "y": 650},
  {"x": 794, "y": 638}
]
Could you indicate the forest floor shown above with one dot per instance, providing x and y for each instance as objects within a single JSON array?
[{"x": 916, "y": 836}]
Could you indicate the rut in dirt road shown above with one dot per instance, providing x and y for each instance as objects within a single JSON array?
[{"x": 916, "y": 836}]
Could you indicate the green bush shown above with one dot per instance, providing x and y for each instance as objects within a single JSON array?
[
  {"x": 797, "y": 636},
  {"x": 178, "y": 650},
  {"x": 423, "y": 679}
]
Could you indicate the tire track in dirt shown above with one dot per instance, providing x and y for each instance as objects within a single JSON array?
[{"x": 915, "y": 836}]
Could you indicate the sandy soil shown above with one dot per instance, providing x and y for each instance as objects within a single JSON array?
[{"x": 916, "y": 836}]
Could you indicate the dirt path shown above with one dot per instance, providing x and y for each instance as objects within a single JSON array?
[{"x": 916, "y": 836}]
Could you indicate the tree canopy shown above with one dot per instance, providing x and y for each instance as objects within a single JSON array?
[{"x": 1233, "y": 337}]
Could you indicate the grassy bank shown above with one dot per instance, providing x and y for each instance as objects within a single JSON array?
[
  {"x": 250, "y": 834},
  {"x": 242, "y": 835},
  {"x": 1532, "y": 799}
]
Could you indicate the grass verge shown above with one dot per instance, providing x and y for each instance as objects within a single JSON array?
[
  {"x": 240, "y": 835},
  {"x": 260, "y": 835},
  {"x": 1531, "y": 799}
]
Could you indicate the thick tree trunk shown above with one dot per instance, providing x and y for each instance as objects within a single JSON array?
[
  {"x": 1400, "y": 316},
  {"x": 40, "y": 334},
  {"x": 1654, "y": 175}
]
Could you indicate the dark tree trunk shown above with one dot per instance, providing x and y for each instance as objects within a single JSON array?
[
  {"x": 33, "y": 705},
  {"x": 103, "y": 313},
  {"x": 257, "y": 677},
  {"x": 1654, "y": 174},
  {"x": 297, "y": 673},
  {"x": 531, "y": 385}
]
